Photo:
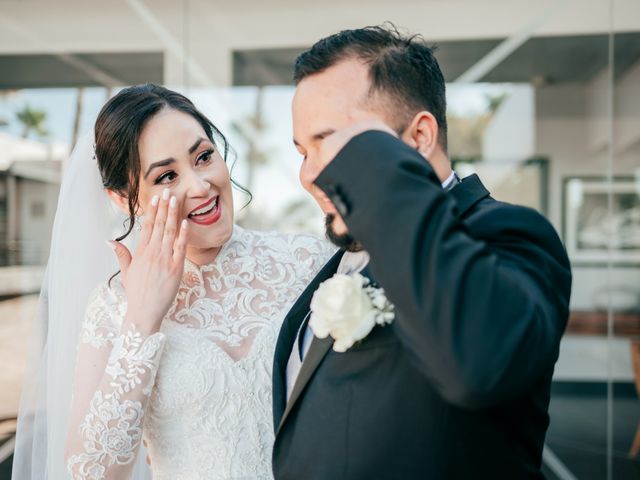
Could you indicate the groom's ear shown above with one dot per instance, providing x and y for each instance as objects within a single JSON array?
[
  {"x": 422, "y": 133},
  {"x": 121, "y": 201}
]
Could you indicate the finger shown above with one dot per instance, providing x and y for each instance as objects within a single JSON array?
[
  {"x": 161, "y": 219},
  {"x": 171, "y": 226},
  {"x": 180, "y": 247},
  {"x": 149, "y": 218},
  {"x": 122, "y": 253}
]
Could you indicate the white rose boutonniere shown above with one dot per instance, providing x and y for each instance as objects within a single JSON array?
[{"x": 347, "y": 307}]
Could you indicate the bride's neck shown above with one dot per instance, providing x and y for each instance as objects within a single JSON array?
[{"x": 202, "y": 256}]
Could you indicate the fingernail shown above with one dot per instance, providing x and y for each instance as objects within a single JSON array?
[
  {"x": 112, "y": 245},
  {"x": 184, "y": 223},
  {"x": 173, "y": 202},
  {"x": 165, "y": 194},
  {"x": 155, "y": 200}
]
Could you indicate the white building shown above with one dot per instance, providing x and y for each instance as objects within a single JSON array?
[{"x": 30, "y": 175}]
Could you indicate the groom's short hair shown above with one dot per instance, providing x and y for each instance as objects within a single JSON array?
[{"x": 401, "y": 66}]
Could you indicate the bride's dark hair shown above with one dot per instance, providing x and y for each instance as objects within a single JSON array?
[{"x": 118, "y": 128}]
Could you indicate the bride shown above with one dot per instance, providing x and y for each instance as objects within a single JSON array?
[{"x": 175, "y": 351}]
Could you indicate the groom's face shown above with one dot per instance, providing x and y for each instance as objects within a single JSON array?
[{"x": 323, "y": 103}]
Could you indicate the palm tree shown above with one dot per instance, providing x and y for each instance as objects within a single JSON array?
[{"x": 32, "y": 120}]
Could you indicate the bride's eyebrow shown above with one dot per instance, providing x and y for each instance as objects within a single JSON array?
[
  {"x": 169, "y": 161},
  {"x": 196, "y": 145},
  {"x": 161, "y": 163}
]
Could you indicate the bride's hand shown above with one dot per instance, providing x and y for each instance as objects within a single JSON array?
[{"x": 151, "y": 276}]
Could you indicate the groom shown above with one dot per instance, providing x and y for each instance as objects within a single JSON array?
[{"x": 455, "y": 385}]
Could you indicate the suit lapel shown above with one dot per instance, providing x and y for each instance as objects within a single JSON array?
[
  {"x": 288, "y": 332},
  {"x": 466, "y": 194},
  {"x": 317, "y": 351}
]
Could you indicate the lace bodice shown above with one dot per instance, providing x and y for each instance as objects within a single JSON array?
[{"x": 198, "y": 391}]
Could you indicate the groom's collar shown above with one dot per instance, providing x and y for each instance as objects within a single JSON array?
[
  {"x": 452, "y": 180},
  {"x": 353, "y": 262}
]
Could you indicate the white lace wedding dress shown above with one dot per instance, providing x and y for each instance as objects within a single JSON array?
[{"x": 198, "y": 391}]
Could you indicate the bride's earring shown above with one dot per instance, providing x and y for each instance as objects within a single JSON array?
[{"x": 138, "y": 224}]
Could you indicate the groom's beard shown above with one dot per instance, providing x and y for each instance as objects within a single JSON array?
[{"x": 344, "y": 241}]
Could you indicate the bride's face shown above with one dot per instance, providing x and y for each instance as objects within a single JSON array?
[{"x": 175, "y": 153}]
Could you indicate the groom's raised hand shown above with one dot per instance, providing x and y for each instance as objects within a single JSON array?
[
  {"x": 331, "y": 145},
  {"x": 322, "y": 148}
]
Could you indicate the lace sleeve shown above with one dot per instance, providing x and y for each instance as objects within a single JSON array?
[{"x": 116, "y": 368}]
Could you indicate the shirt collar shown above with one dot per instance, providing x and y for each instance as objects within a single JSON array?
[{"x": 451, "y": 181}]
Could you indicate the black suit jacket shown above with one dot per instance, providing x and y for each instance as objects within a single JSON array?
[{"x": 457, "y": 387}]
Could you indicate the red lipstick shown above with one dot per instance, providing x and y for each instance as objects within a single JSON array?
[{"x": 208, "y": 213}]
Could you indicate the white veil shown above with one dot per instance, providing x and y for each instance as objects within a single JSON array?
[{"x": 79, "y": 260}]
